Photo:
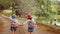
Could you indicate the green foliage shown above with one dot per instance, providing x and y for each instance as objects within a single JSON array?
[
  {"x": 58, "y": 12},
  {"x": 44, "y": 6}
]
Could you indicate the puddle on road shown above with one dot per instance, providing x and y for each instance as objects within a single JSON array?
[{"x": 1, "y": 27}]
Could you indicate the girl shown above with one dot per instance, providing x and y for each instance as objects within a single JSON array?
[
  {"x": 31, "y": 23},
  {"x": 14, "y": 24}
]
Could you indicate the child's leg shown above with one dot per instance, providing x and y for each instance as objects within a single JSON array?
[
  {"x": 29, "y": 32},
  {"x": 13, "y": 32}
]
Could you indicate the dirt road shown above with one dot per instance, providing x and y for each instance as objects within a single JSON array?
[{"x": 40, "y": 29}]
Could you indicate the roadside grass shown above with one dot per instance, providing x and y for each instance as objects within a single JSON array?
[
  {"x": 45, "y": 21},
  {"x": 50, "y": 25},
  {"x": 58, "y": 18}
]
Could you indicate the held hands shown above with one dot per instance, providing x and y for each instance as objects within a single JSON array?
[{"x": 21, "y": 25}]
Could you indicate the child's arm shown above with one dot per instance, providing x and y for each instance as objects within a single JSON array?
[
  {"x": 35, "y": 23},
  {"x": 17, "y": 22},
  {"x": 25, "y": 22}
]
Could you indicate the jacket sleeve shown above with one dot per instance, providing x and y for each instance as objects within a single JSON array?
[
  {"x": 17, "y": 21},
  {"x": 25, "y": 22},
  {"x": 33, "y": 21}
]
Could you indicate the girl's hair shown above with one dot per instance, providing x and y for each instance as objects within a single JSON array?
[{"x": 30, "y": 18}]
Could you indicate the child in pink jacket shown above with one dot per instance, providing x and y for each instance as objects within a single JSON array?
[
  {"x": 31, "y": 23},
  {"x": 14, "y": 24}
]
